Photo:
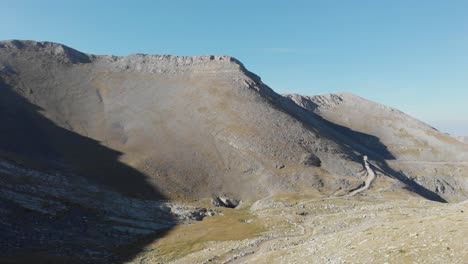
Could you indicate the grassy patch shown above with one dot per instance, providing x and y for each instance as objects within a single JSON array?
[{"x": 184, "y": 239}]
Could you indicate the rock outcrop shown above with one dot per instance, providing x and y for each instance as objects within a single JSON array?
[{"x": 225, "y": 201}]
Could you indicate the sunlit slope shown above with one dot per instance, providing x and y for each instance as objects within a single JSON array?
[{"x": 194, "y": 125}]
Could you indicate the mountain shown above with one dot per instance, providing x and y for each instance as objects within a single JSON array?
[
  {"x": 405, "y": 137},
  {"x": 434, "y": 159},
  {"x": 193, "y": 126},
  {"x": 102, "y": 153}
]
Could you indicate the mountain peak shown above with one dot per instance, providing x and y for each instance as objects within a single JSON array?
[{"x": 63, "y": 53}]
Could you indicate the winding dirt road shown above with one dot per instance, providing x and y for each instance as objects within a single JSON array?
[
  {"x": 263, "y": 246},
  {"x": 370, "y": 177}
]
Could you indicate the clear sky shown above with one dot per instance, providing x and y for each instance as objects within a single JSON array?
[{"x": 412, "y": 55}]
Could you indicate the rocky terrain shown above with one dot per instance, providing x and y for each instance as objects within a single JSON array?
[
  {"x": 404, "y": 137},
  {"x": 432, "y": 158},
  {"x": 65, "y": 218},
  {"x": 118, "y": 159},
  {"x": 378, "y": 227},
  {"x": 191, "y": 125}
]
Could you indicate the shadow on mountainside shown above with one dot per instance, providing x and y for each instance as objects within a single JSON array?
[
  {"x": 26, "y": 135},
  {"x": 26, "y": 132},
  {"x": 409, "y": 183},
  {"x": 366, "y": 144}
]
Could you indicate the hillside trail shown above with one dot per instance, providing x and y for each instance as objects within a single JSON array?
[{"x": 370, "y": 177}]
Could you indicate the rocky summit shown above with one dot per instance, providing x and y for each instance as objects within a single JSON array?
[{"x": 161, "y": 158}]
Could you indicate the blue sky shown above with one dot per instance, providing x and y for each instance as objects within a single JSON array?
[{"x": 412, "y": 55}]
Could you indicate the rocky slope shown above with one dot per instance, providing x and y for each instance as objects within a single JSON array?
[
  {"x": 49, "y": 216},
  {"x": 433, "y": 159},
  {"x": 405, "y": 138},
  {"x": 91, "y": 145},
  {"x": 106, "y": 149},
  {"x": 184, "y": 125}
]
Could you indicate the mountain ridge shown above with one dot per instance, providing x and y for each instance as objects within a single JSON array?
[
  {"x": 169, "y": 117},
  {"x": 115, "y": 104},
  {"x": 114, "y": 151},
  {"x": 353, "y": 104}
]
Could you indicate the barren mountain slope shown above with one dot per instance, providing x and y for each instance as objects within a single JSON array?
[
  {"x": 435, "y": 160},
  {"x": 193, "y": 125},
  {"x": 92, "y": 147},
  {"x": 406, "y": 138}
]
